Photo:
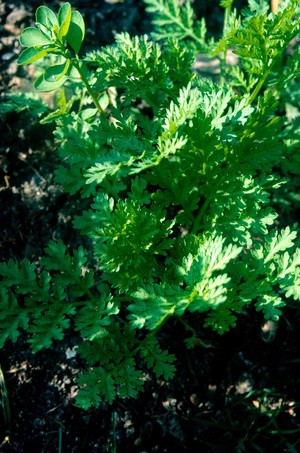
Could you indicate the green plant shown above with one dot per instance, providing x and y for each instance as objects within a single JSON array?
[{"x": 180, "y": 173}]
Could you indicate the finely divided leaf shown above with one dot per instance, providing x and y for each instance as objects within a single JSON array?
[{"x": 278, "y": 242}]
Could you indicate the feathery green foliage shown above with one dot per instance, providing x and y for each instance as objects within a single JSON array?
[{"x": 181, "y": 175}]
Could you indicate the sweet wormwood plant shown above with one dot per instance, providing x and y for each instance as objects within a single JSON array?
[{"x": 180, "y": 173}]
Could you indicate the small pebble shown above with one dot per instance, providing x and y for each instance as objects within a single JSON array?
[
  {"x": 8, "y": 56},
  {"x": 17, "y": 16}
]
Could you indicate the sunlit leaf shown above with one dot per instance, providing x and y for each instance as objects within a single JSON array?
[
  {"x": 45, "y": 16},
  {"x": 88, "y": 113},
  {"x": 31, "y": 54},
  {"x": 73, "y": 73},
  {"x": 64, "y": 19},
  {"x": 103, "y": 101},
  {"x": 32, "y": 37}
]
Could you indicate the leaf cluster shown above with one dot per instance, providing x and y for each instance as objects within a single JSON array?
[{"x": 52, "y": 35}]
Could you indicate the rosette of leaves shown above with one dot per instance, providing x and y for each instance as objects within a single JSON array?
[{"x": 60, "y": 35}]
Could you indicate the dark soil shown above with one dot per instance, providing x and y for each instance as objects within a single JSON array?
[{"x": 239, "y": 392}]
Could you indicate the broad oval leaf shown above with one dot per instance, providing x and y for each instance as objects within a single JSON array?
[
  {"x": 32, "y": 37},
  {"x": 103, "y": 101},
  {"x": 76, "y": 31},
  {"x": 88, "y": 113},
  {"x": 40, "y": 84},
  {"x": 31, "y": 54},
  {"x": 64, "y": 19},
  {"x": 73, "y": 73},
  {"x": 46, "y": 16},
  {"x": 56, "y": 72},
  {"x": 46, "y": 32}
]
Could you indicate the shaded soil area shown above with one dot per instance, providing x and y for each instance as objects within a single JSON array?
[{"x": 239, "y": 392}]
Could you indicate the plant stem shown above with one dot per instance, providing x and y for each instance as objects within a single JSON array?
[
  {"x": 225, "y": 26},
  {"x": 212, "y": 193},
  {"x": 200, "y": 215},
  {"x": 258, "y": 87},
  {"x": 186, "y": 325},
  {"x": 89, "y": 89}
]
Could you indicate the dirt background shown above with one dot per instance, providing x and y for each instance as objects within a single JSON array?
[{"x": 239, "y": 392}]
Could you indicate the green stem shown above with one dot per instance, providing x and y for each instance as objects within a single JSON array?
[
  {"x": 258, "y": 87},
  {"x": 200, "y": 215},
  {"x": 225, "y": 26},
  {"x": 186, "y": 325},
  {"x": 89, "y": 89},
  {"x": 205, "y": 205}
]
